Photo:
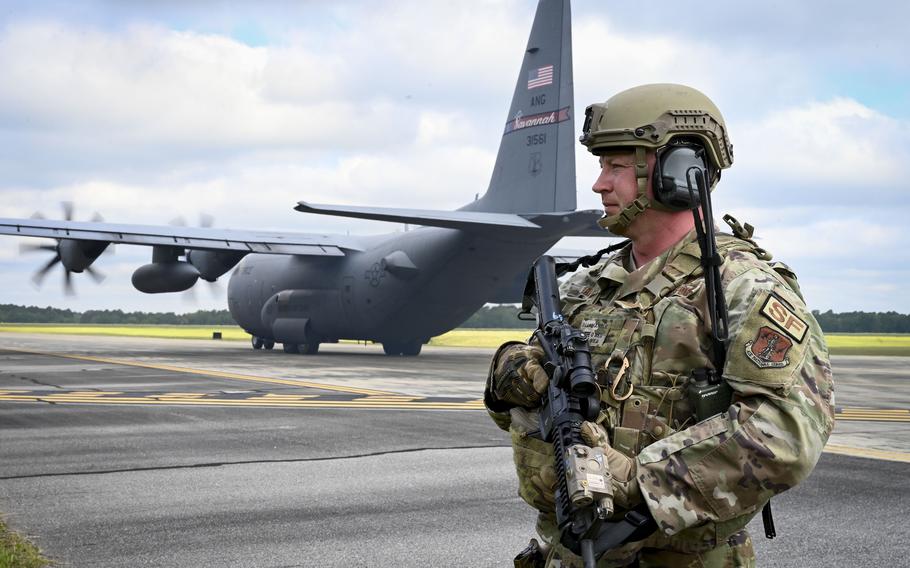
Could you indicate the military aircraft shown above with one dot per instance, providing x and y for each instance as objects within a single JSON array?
[{"x": 399, "y": 289}]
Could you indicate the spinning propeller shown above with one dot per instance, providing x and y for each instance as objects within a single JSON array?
[
  {"x": 206, "y": 221},
  {"x": 74, "y": 255}
]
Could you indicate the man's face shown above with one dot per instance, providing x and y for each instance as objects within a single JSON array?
[{"x": 616, "y": 183}]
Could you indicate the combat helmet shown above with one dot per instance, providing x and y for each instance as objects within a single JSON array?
[{"x": 651, "y": 117}]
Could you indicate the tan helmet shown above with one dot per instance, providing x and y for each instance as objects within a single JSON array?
[{"x": 649, "y": 117}]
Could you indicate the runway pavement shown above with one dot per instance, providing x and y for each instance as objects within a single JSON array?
[{"x": 144, "y": 452}]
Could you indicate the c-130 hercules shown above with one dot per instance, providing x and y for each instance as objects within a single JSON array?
[{"x": 398, "y": 289}]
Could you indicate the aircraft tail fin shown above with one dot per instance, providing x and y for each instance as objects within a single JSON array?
[{"x": 535, "y": 167}]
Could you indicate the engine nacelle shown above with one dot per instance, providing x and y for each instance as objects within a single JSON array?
[
  {"x": 77, "y": 255},
  {"x": 211, "y": 264},
  {"x": 161, "y": 277}
]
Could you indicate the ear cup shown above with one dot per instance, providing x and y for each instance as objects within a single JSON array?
[{"x": 670, "y": 185}]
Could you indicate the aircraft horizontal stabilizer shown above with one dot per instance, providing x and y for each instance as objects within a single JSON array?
[
  {"x": 427, "y": 217},
  {"x": 571, "y": 223}
]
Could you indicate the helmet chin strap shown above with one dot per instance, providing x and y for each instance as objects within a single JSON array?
[{"x": 619, "y": 224}]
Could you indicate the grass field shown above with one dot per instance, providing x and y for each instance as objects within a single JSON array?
[
  {"x": 839, "y": 344},
  {"x": 492, "y": 338},
  {"x": 868, "y": 344},
  {"x": 17, "y": 552},
  {"x": 229, "y": 332}
]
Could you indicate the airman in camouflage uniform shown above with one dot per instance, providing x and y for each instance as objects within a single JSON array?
[{"x": 648, "y": 328}]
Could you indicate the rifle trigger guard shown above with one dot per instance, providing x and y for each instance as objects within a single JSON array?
[{"x": 617, "y": 379}]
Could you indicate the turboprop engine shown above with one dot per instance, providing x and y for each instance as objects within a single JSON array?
[
  {"x": 213, "y": 264},
  {"x": 74, "y": 255}
]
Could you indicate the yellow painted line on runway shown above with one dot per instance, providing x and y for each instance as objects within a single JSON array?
[
  {"x": 355, "y": 403},
  {"x": 390, "y": 398},
  {"x": 180, "y": 395},
  {"x": 897, "y": 411},
  {"x": 873, "y": 414},
  {"x": 283, "y": 397},
  {"x": 868, "y": 453},
  {"x": 210, "y": 373},
  {"x": 278, "y": 400}
]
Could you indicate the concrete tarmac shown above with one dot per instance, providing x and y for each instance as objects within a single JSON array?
[{"x": 144, "y": 452}]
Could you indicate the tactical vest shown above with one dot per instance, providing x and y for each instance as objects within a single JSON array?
[
  {"x": 643, "y": 376},
  {"x": 646, "y": 339}
]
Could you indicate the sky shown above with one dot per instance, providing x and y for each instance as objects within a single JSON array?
[{"x": 155, "y": 112}]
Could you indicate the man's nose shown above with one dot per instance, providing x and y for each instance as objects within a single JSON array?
[{"x": 602, "y": 183}]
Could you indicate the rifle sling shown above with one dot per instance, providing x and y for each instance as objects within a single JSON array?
[{"x": 635, "y": 525}]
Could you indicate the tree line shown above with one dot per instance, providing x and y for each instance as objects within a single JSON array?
[
  {"x": 10, "y": 313},
  {"x": 506, "y": 316},
  {"x": 863, "y": 322},
  {"x": 501, "y": 316}
]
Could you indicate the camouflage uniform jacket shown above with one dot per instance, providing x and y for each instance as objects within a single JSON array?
[{"x": 702, "y": 481}]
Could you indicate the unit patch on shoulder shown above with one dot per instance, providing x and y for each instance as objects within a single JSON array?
[
  {"x": 784, "y": 318},
  {"x": 769, "y": 349}
]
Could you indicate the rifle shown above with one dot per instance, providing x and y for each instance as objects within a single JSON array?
[{"x": 584, "y": 486}]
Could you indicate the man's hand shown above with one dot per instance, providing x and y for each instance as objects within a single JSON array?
[
  {"x": 626, "y": 494},
  {"x": 518, "y": 378}
]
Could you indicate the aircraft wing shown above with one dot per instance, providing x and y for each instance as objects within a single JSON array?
[{"x": 201, "y": 238}]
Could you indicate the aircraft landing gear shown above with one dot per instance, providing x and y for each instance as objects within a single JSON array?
[
  {"x": 302, "y": 348},
  {"x": 262, "y": 343},
  {"x": 405, "y": 348}
]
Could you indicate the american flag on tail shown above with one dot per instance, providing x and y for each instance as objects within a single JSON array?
[{"x": 540, "y": 77}]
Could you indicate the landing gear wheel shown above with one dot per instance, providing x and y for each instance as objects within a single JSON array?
[
  {"x": 290, "y": 347},
  {"x": 405, "y": 348},
  {"x": 268, "y": 344},
  {"x": 411, "y": 348},
  {"x": 309, "y": 348},
  {"x": 257, "y": 342}
]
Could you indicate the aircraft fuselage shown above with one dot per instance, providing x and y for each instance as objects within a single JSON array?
[{"x": 404, "y": 287}]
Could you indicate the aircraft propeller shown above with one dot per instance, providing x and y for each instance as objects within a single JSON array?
[
  {"x": 206, "y": 221},
  {"x": 74, "y": 255}
]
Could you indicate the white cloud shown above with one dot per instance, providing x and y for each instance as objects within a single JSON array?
[
  {"x": 834, "y": 144},
  {"x": 401, "y": 104},
  {"x": 150, "y": 86},
  {"x": 843, "y": 289},
  {"x": 835, "y": 239}
]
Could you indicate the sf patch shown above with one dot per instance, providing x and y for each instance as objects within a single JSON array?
[
  {"x": 782, "y": 316},
  {"x": 769, "y": 349}
]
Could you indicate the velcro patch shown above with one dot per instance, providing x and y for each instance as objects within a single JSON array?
[
  {"x": 784, "y": 318},
  {"x": 588, "y": 326},
  {"x": 769, "y": 349}
]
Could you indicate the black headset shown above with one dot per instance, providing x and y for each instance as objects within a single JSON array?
[{"x": 672, "y": 172}]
